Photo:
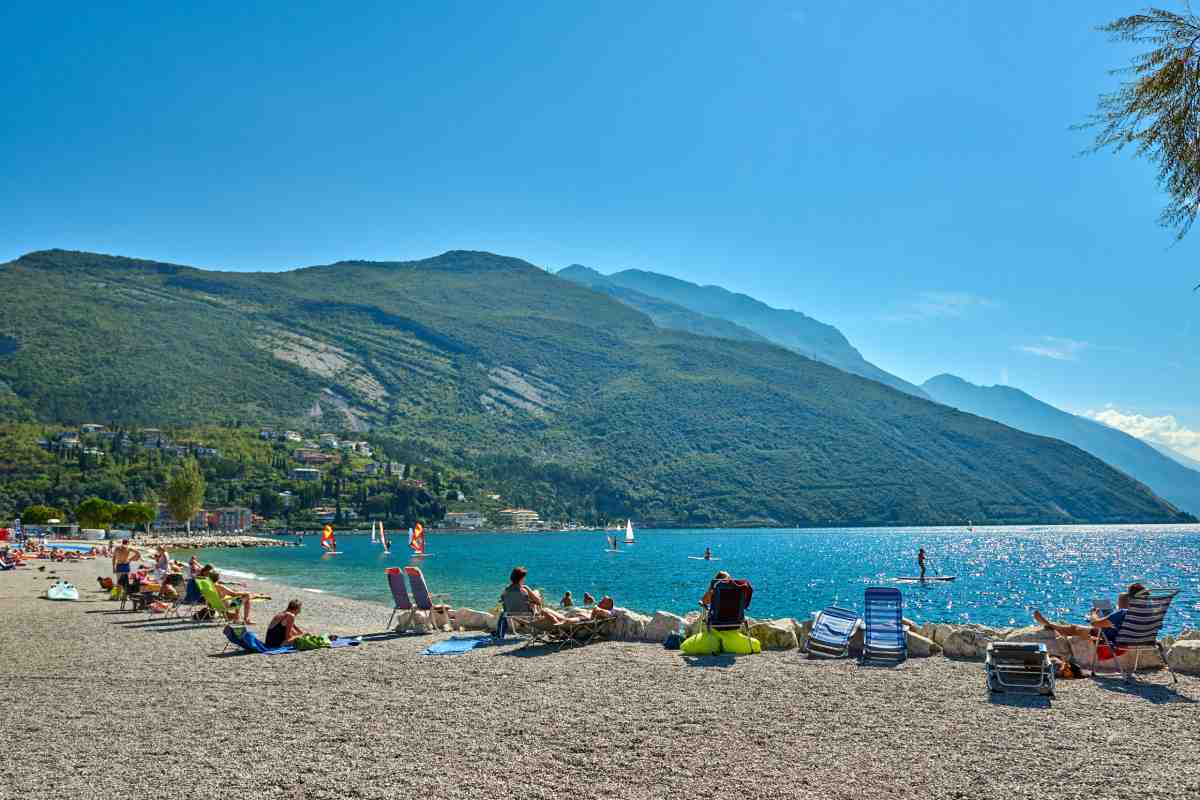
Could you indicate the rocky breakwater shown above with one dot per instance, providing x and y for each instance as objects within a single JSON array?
[
  {"x": 196, "y": 541},
  {"x": 957, "y": 641}
]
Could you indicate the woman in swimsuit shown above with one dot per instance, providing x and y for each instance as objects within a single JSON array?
[{"x": 283, "y": 628}]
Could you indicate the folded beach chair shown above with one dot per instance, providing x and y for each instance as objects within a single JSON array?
[
  {"x": 215, "y": 601},
  {"x": 422, "y": 599},
  {"x": 884, "y": 638},
  {"x": 1019, "y": 666},
  {"x": 395, "y": 579},
  {"x": 831, "y": 632},
  {"x": 1139, "y": 632}
]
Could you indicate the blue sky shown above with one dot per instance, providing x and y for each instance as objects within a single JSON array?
[{"x": 906, "y": 173}]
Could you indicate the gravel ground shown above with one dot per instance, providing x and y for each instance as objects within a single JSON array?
[{"x": 99, "y": 702}]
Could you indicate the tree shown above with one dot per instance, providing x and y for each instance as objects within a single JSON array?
[
  {"x": 40, "y": 515},
  {"x": 1158, "y": 110},
  {"x": 136, "y": 514},
  {"x": 185, "y": 492},
  {"x": 95, "y": 513}
]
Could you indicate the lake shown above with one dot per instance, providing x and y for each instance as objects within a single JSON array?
[{"x": 1003, "y": 572}]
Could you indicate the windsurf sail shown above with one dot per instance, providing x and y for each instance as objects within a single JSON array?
[
  {"x": 628, "y": 532},
  {"x": 373, "y": 539},
  {"x": 416, "y": 538},
  {"x": 327, "y": 539},
  {"x": 383, "y": 539}
]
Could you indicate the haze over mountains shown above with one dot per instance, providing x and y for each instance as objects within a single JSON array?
[
  {"x": 1165, "y": 474},
  {"x": 480, "y": 355},
  {"x": 719, "y": 312}
]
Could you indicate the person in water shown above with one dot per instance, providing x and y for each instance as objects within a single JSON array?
[
  {"x": 921, "y": 562},
  {"x": 567, "y": 600},
  {"x": 708, "y": 554},
  {"x": 283, "y": 628},
  {"x": 1099, "y": 624},
  {"x": 588, "y": 600}
]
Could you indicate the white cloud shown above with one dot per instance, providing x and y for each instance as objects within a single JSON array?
[
  {"x": 938, "y": 305},
  {"x": 1164, "y": 430},
  {"x": 1056, "y": 347}
]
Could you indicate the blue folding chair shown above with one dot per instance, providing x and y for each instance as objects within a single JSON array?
[
  {"x": 884, "y": 638},
  {"x": 831, "y": 632}
]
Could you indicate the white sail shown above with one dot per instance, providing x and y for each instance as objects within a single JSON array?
[
  {"x": 628, "y": 532},
  {"x": 373, "y": 539}
]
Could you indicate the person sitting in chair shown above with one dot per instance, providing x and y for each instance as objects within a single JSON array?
[
  {"x": 243, "y": 598},
  {"x": 1099, "y": 624},
  {"x": 283, "y": 628},
  {"x": 708, "y": 595},
  {"x": 517, "y": 598}
]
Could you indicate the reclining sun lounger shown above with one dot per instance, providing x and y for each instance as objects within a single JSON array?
[
  {"x": 215, "y": 601},
  {"x": 831, "y": 632},
  {"x": 1019, "y": 666},
  {"x": 884, "y": 638},
  {"x": 1139, "y": 632},
  {"x": 395, "y": 579},
  {"x": 422, "y": 599}
]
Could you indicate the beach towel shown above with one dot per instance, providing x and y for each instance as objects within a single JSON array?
[
  {"x": 457, "y": 645},
  {"x": 246, "y": 640}
]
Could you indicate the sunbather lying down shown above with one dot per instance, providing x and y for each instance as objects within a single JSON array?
[{"x": 517, "y": 598}]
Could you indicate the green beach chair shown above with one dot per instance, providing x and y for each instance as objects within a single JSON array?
[{"x": 219, "y": 605}]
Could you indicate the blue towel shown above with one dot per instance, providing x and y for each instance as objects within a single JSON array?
[
  {"x": 457, "y": 645},
  {"x": 252, "y": 644}
]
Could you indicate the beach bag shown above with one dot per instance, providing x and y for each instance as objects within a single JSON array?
[
  {"x": 502, "y": 626},
  {"x": 673, "y": 641},
  {"x": 105, "y": 583},
  {"x": 311, "y": 641},
  {"x": 203, "y": 615}
]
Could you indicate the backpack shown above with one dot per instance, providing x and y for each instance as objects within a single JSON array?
[{"x": 673, "y": 641}]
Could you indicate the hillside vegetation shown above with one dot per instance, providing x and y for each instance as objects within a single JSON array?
[{"x": 480, "y": 357}]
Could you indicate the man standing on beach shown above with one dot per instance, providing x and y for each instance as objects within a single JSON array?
[
  {"x": 921, "y": 561},
  {"x": 123, "y": 556}
]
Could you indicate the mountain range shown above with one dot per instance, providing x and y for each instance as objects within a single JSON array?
[
  {"x": 715, "y": 311},
  {"x": 1166, "y": 474},
  {"x": 482, "y": 355}
]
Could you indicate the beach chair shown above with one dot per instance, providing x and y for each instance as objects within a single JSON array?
[
  {"x": 422, "y": 599},
  {"x": 1019, "y": 666},
  {"x": 884, "y": 637},
  {"x": 1139, "y": 632},
  {"x": 727, "y": 609},
  {"x": 521, "y": 620},
  {"x": 216, "y": 602},
  {"x": 402, "y": 603},
  {"x": 831, "y": 632},
  {"x": 190, "y": 598}
]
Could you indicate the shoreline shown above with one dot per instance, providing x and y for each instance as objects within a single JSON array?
[{"x": 498, "y": 721}]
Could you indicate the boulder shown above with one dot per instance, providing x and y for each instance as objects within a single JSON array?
[
  {"x": 468, "y": 619},
  {"x": 922, "y": 647},
  {"x": 775, "y": 634},
  {"x": 629, "y": 626},
  {"x": 803, "y": 628},
  {"x": 1185, "y": 656},
  {"x": 968, "y": 641},
  {"x": 661, "y": 626}
]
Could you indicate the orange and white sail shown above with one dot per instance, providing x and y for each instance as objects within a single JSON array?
[
  {"x": 383, "y": 539},
  {"x": 416, "y": 538},
  {"x": 327, "y": 539}
]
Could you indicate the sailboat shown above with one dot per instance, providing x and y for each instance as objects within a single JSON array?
[
  {"x": 628, "y": 532},
  {"x": 416, "y": 541},
  {"x": 373, "y": 540},
  {"x": 328, "y": 541}
]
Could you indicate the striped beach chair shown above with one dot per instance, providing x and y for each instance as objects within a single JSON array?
[
  {"x": 884, "y": 638},
  {"x": 1139, "y": 632},
  {"x": 831, "y": 632}
]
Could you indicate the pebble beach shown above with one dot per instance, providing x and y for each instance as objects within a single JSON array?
[{"x": 99, "y": 702}]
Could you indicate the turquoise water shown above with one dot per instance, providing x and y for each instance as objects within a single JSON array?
[{"x": 1003, "y": 573}]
